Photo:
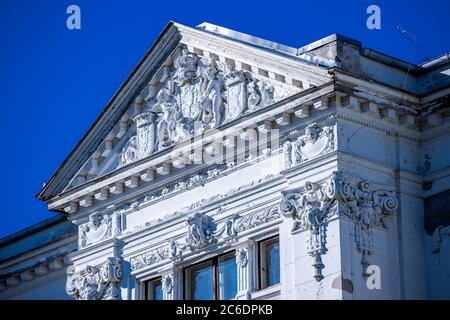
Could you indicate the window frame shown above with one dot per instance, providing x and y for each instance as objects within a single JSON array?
[
  {"x": 263, "y": 269},
  {"x": 214, "y": 262},
  {"x": 151, "y": 284}
]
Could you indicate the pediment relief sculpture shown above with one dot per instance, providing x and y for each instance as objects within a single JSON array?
[
  {"x": 199, "y": 94},
  {"x": 189, "y": 95}
]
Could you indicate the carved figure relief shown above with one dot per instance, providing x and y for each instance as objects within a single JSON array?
[
  {"x": 198, "y": 94},
  {"x": 167, "y": 105},
  {"x": 167, "y": 284},
  {"x": 242, "y": 257},
  {"x": 254, "y": 95},
  {"x": 236, "y": 92},
  {"x": 202, "y": 231}
]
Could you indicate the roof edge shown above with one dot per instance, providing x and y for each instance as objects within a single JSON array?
[
  {"x": 33, "y": 229},
  {"x": 41, "y": 195}
]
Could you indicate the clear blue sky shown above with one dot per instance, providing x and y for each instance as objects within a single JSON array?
[{"x": 54, "y": 82}]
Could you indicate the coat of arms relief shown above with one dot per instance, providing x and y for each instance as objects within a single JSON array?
[{"x": 199, "y": 94}]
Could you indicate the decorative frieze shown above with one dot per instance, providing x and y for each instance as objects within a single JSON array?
[
  {"x": 150, "y": 257},
  {"x": 312, "y": 207},
  {"x": 203, "y": 231},
  {"x": 95, "y": 283},
  {"x": 257, "y": 218},
  {"x": 166, "y": 191}
]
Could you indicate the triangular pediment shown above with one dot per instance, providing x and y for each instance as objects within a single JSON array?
[{"x": 191, "y": 81}]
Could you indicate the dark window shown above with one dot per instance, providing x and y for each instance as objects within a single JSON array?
[
  {"x": 214, "y": 279},
  {"x": 269, "y": 262},
  {"x": 153, "y": 289},
  {"x": 437, "y": 211}
]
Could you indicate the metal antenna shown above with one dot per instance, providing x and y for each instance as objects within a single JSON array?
[{"x": 413, "y": 39}]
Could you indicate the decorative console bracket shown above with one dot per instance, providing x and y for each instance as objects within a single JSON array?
[
  {"x": 313, "y": 206},
  {"x": 95, "y": 283}
]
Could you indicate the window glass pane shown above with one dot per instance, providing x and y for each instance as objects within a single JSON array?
[
  {"x": 157, "y": 293},
  {"x": 202, "y": 283},
  {"x": 273, "y": 263},
  {"x": 154, "y": 290},
  {"x": 227, "y": 277}
]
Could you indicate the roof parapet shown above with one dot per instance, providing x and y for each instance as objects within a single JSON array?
[
  {"x": 243, "y": 37},
  {"x": 303, "y": 51}
]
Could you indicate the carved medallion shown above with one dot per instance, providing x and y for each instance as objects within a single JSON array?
[{"x": 97, "y": 228}]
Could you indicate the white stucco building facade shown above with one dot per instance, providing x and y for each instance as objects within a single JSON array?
[{"x": 255, "y": 170}]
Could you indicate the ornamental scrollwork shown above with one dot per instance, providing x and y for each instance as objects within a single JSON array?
[
  {"x": 201, "y": 229},
  {"x": 95, "y": 282},
  {"x": 312, "y": 207},
  {"x": 202, "y": 232},
  {"x": 257, "y": 218},
  {"x": 149, "y": 258}
]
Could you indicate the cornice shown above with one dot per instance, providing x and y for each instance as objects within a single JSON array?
[
  {"x": 398, "y": 97},
  {"x": 365, "y": 111},
  {"x": 154, "y": 256},
  {"x": 39, "y": 266},
  {"x": 63, "y": 245},
  {"x": 247, "y": 121},
  {"x": 213, "y": 205}
]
